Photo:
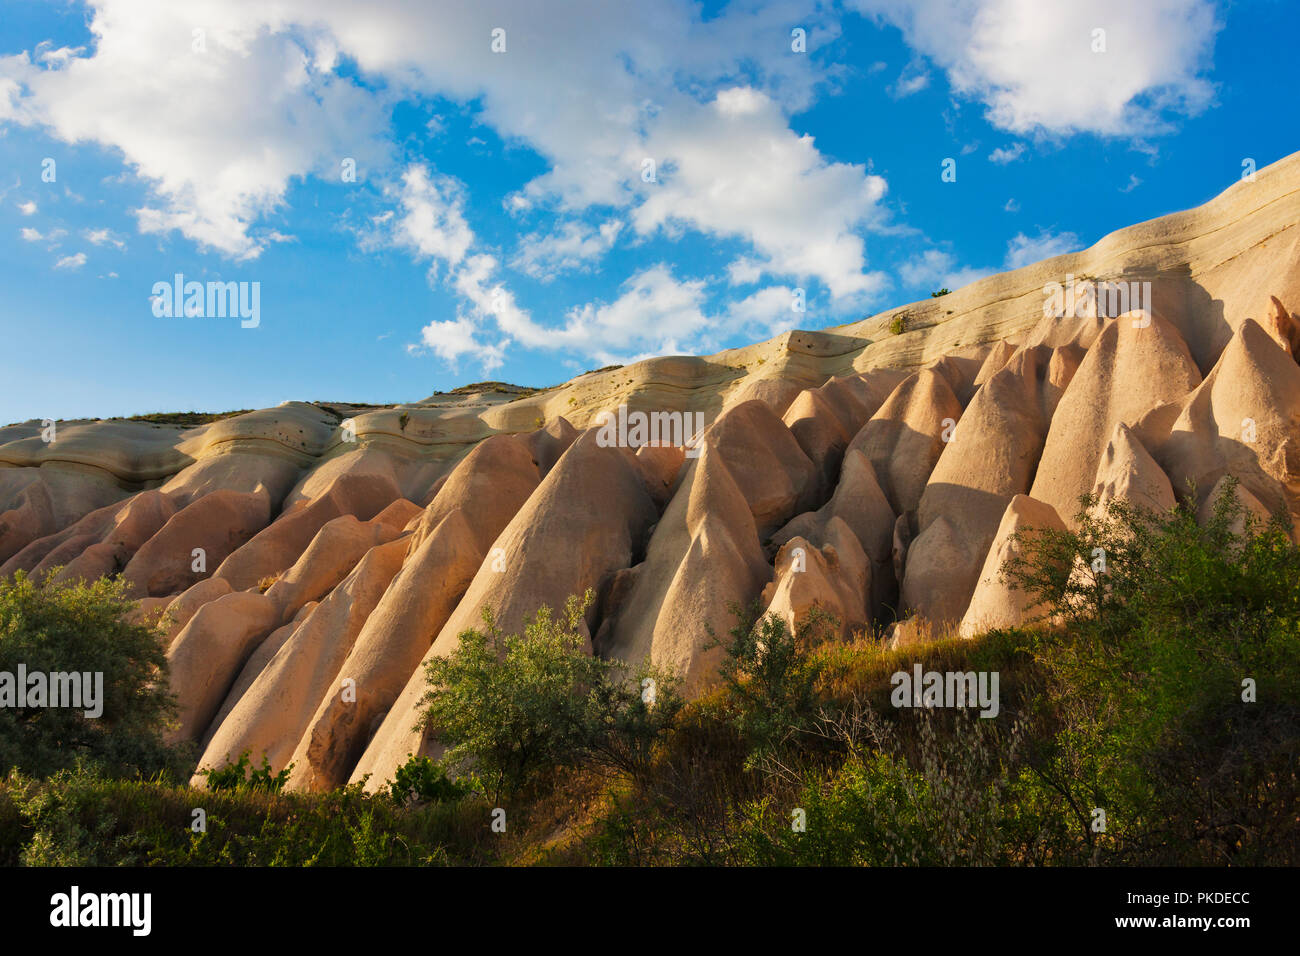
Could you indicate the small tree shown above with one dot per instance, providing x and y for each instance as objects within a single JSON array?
[
  {"x": 771, "y": 674},
  {"x": 83, "y": 629},
  {"x": 516, "y": 708}
]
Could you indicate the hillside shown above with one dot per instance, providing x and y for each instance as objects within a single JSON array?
[{"x": 879, "y": 476}]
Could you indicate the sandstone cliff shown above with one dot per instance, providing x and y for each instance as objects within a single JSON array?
[{"x": 312, "y": 556}]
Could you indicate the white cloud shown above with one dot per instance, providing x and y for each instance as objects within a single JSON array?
[
  {"x": 1023, "y": 250},
  {"x": 574, "y": 245},
  {"x": 913, "y": 79},
  {"x": 767, "y": 312},
  {"x": 491, "y": 299},
  {"x": 931, "y": 264},
  {"x": 29, "y": 234},
  {"x": 735, "y": 169},
  {"x": 218, "y": 134},
  {"x": 71, "y": 262},
  {"x": 101, "y": 237},
  {"x": 27, "y": 208},
  {"x": 592, "y": 87},
  {"x": 1032, "y": 63},
  {"x": 744, "y": 271},
  {"x": 432, "y": 222},
  {"x": 53, "y": 58},
  {"x": 935, "y": 269},
  {"x": 655, "y": 313},
  {"x": 1012, "y": 205},
  {"x": 456, "y": 339},
  {"x": 1007, "y": 154}
]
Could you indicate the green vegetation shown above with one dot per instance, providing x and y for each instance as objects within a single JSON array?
[
  {"x": 1132, "y": 696},
  {"x": 1178, "y": 678},
  {"x": 516, "y": 709},
  {"x": 1127, "y": 698},
  {"x": 1161, "y": 686},
  {"x": 184, "y": 419},
  {"x": 944, "y": 291},
  {"x": 898, "y": 325},
  {"x": 521, "y": 391},
  {"x": 82, "y": 629},
  {"x": 422, "y": 780},
  {"x": 236, "y": 776},
  {"x": 771, "y": 677},
  {"x": 79, "y": 819}
]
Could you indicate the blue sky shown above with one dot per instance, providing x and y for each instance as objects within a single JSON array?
[{"x": 501, "y": 223}]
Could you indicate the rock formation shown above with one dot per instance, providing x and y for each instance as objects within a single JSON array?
[{"x": 307, "y": 559}]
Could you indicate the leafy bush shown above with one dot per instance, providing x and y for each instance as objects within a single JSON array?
[
  {"x": 1149, "y": 679},
  {"x": 76, "y": 818},
  {"x": 422, "y": 780},
  {"x": 952, "y": 803},
  {"x": 236, "y": 776},
  {"x": 897, "y": 325},
  {"x": 1127, "y": 698},
  {"x": 80, "y": 628},
  {"x": 516, "y": 708},
  {"x": 944, "y": 291},
  {"x": 771, "y": 675}
]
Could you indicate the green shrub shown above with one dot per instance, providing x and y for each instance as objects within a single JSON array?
[
  {"x": 422, "y": 780},
  {"x": 771, "y": 675},
  {"x": 236, "y": 776},
  {"x": 944, "y": 291},
  {"x": 1148, "y": 677},
  {"x": 516, "y": 708},
  {"x": 897, "y": 325},
  {"x": 1127, "y": 698},
  {"x": 76, "y": 818},
  {"x": 84, "y": 628},
  {"x": 12, "y": 835},
  {"x": 937, "y": 790}
]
